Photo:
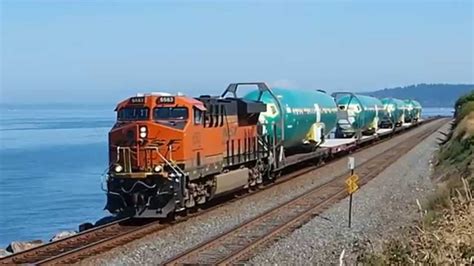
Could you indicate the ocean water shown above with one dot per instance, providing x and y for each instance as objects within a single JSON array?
[
  {"x": 52, "y": 159},
  {"x": 433, "y": 111},
  {"x": 51, "y": 162}
]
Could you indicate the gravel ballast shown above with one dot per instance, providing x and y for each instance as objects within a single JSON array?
[
  {"x": 380, "y": 209},
  {"x": 158, "y": 247}
]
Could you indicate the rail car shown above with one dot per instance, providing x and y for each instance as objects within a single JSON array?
[
  {"x": 358, "y": 114},
  {"x": 394, "y": 113},
  {"x": 412, "y": 111},
  {"x": 170, "y": 153}
]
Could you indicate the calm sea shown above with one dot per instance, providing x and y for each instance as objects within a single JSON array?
[{"x": 51, "y": 164}]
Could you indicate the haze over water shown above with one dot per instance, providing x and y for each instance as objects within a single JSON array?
[{"x": 51, "y": 162}]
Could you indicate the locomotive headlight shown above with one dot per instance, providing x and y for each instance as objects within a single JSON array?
[
  {"x": 118, "y": 168},
  {"x": 157, "y": 168},
  {"x": 143, "y": 132}
]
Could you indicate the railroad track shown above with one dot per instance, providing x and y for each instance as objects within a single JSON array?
[
  {"x": 239, "y": 244},
  {"x": 86, "y": 243},
  {"x": 103, "y": 238}
]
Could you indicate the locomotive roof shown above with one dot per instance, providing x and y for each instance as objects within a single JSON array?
[{"x": 152, "y": 99}]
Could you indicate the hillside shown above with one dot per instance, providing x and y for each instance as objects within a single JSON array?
[
  {"x": 429, "y": 95},
  {"x": 444, "y": 234}
]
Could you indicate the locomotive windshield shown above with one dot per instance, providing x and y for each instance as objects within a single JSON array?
[
  {"x": 170, "y": 113},
  {"x": 132, "y": 114}
]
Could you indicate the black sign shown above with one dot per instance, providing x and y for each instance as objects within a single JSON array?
[
  {"x": 137, "y": 100},
  {"x": 165, "y": 100}
]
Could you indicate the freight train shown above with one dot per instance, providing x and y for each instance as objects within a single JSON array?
[{"x": 171, "y": 153}]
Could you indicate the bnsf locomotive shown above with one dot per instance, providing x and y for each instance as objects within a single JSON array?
[{"x": 169, "y": 153}]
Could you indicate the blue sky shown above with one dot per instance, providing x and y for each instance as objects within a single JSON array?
[{"x": 102, "y": 51}]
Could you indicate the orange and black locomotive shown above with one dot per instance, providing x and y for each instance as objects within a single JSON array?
[{"x": 169, "y": 153}]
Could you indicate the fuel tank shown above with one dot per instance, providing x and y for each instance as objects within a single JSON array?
[
  {"x": 362, "y": 112},
  {"x": 394, "y": 110},
  {"x": 308, "y": 116}
]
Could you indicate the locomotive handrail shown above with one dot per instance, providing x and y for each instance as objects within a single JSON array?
[
  {"x": 127, "y": 163},
  {"x": 127, "y": 160},
  {"x": 179, "y": 172}
]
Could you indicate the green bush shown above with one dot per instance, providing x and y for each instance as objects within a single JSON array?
[
  {"x": 458, "y": 151},
  {"x": 464, "y": 110},
  {"x": 462, "y": 101}
]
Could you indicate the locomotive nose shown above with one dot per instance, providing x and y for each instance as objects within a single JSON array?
[
  {"x": 130, "y": 135},
  {"x": 123, "y": 135}
]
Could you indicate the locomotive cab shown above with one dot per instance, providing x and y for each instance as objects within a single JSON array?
[{"x": 148, "y": 134}]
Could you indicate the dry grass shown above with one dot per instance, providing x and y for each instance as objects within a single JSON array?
[
  {"x": 465, "y": 128},
  {"x": 456, "y": 157},
  {"x": 447, "y": 239},
  {"x": 444, "y": 233}
]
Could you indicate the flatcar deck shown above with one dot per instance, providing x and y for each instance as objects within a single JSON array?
[
  {"x": 332, "y": 143},
  {"x": 384, "y": 131}
]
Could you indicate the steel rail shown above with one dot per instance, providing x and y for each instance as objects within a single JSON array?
[{"x": 37, "y": 253}]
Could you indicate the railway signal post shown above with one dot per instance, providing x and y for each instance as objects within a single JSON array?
[{"x": 352, "y": 186}]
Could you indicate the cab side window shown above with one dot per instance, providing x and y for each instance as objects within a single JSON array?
[{"x": 197, "y": 116}]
